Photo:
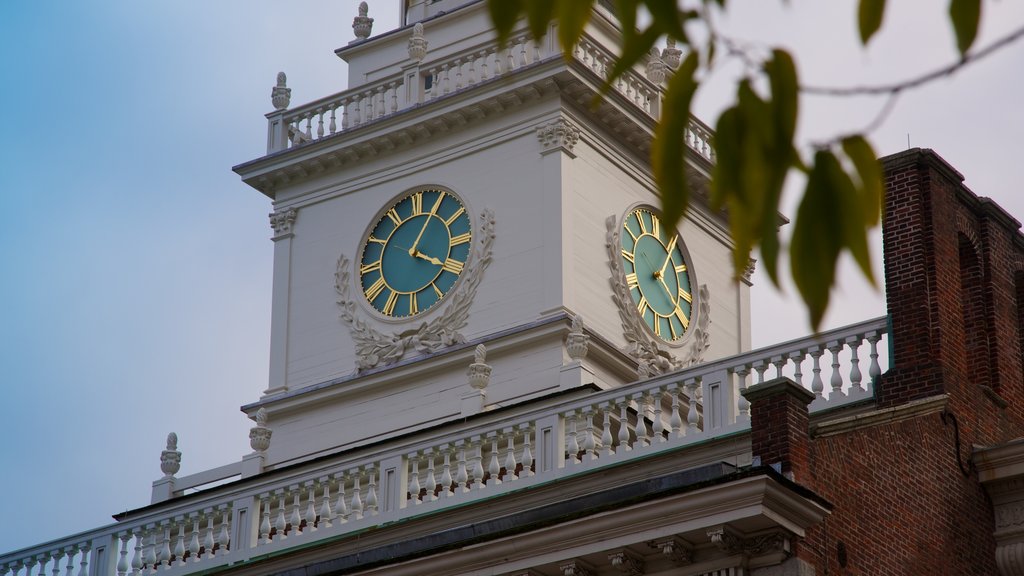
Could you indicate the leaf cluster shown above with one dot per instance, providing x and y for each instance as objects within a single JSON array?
[{"x": 755, "y": 136}]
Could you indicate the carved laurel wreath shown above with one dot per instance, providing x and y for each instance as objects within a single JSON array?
[
  {"x": 651, "y": 357},
  {"x": 374, "y": 348}
]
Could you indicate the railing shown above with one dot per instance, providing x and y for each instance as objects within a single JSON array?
[
  {"x": 232, "y": 523},
  {"x": 430, "y": 80}
]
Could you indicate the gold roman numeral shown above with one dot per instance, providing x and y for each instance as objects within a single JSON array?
[
  {"x": 453, "y": 266},
  {"x": 417, "y": 203},
  {"x": 671, "y": 244},
  {"x": 655, "y": 227},
  {"x": 657, "y": 322},
  {"x": 672, "y": 328},
  {"x": 389, "y": 306},
  {"x": 460, "y": 239},
  {"x": 681, "y": 268},
  {"x": 375, "y": 289},
  {"x": 437, "y": 203},
  {"x": 685, "y": 295},
  {"x": 641, "y": 305},
  {"x": 682, "y": 317},
  {"x": 628, "y": 256},
  {"x": 640, "y": 220},
  {"x": 436, "y": 290},
  {"x": 394, "y": 217},
  {"x": 455, "y": 216},
  {"x": 629, "y": 231},
  {"x": 414, "y": 306},
  {"x": 632, "y": 281},
  {"x": 370, "y": 267},
  {"x": 376, "y": 240}
]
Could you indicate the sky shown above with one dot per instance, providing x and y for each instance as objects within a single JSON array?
[{"x": 136, "y": 267}]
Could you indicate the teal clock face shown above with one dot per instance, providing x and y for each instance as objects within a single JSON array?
[
  {"x": 656, "y": 274},
  {"x": 415, "y": 253}
]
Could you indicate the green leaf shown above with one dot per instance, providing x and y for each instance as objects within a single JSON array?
[
  {"x": 869, "y": 18},
  {"x": 965, "y": 16},
  {"x": 785, "y": 97},
  {"x": 669, "y": 148},
  {"x": 725, "y": 172},
  {"x": 538, "y": 17},
  {"x": 634, "y": 47},
  {"x": 573, "y": 16},
  {"x": 504, "y": 14},
  {"x": 667, "y": 16},
  {"x": 869, "y": 172},
  {"x": 848, "y": 217},
  {"x": 816, "y": 242}
]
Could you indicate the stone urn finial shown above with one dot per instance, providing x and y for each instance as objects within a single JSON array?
[
  {"x": 362, "y": 25},
  {"x": 170, "y": 459},
  {"x": 479, "y": 372},
  {"x": 281, "y": 95},
  {"x": 259, "y": 435},
  {"x": 671, "y": 55},
  {"x": 577, "y": 343},
  {"x": 417, "y": 44},
  {"x": 656, "y": 66}
]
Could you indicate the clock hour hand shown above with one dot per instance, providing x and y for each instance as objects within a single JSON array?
[
  {"x": 430, "y": 259},
  {"x": 671, "y": 297}
]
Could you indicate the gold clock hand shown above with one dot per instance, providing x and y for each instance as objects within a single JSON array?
[
  {"x": 671, "y": 298},
  {"x": 668, "y": 257},
  {"x": 430, "y": 259},
  {"x": 643, "y": 255},
  {"x": 426, "y": 221}
]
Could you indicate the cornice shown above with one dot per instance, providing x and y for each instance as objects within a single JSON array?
[{"x": 914, "y": 409}]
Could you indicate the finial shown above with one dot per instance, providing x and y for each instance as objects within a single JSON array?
[
  {"x": 281, "y": 95},
  {"x": 671, "y": 55},
  {"x": 259, "y": 435},
  {"x": 479, "y": 372},
  {"x": 577, "y": 343},
  {"x": 417, "y": 44},
  {"x": 656, "y": 66},
  {"x": 362, "y": 25},
  {"x": 170, "y": 459}
]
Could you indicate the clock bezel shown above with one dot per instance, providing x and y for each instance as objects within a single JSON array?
[
  {"x": 373, "y": 224},
  {"x": 683, "y": 248}
]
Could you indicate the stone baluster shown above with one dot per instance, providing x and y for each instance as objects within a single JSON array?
[
  {"x": 83, "y": 562},
  {"x": 874, "y": 370},
  {"x": 357, "y": 498},
  {"x": 280, "y": 523},
  {"x": 837, "y": 378},
  {"x": 498, "y": 68},
  {"x": 510, "y": 454},
  {"x": 521, "y": 42},
  {"x": 393, "y": 87},
  {"x": 29, "y": 564},
  {"x": 606, "y": 429},
  {"x": 149, "y": 552},
  {"x": 193, "y": 541},
  {"x": 310, "y": 516},
  {"x": 536, "y": 51},
  {"x": 58, "y": 554},
  {"x": 165, "y": 544},
  {"x": 476, "y": 462},
  {"x": 797, "y": 358},
  {"x": 493, "y": 467},
  {"x": 431, "y": 479},
  {"x": 346, "y": 103},
  {"x": 179, "y": 542},
  {"x": 224, "y": 536},
  {"x": 208, "y": 542},
  {"x": 382, "y": 101},
  {"x": 443, "y": 88},
  {"x": 817, "y": 385},
  {"x": 341, "y": 504},
  {"x": 624, "y": 424},
  {"x": 326, "y": 513},
  {"x": 44, "y": 559},
  {"x": 446, "y": 472},
  {"x": 760, "y": 367},
  {"x": 658, "y": 424},
  {"x": 462, "y": 476},
  {"x": 483, "y": 64},
  {"x": 854, "y": 343},
  {"x": 431, "y": 92},
  {"x": 137, "y": 558},
  {"x": 414, "y": 478},
  {"x": 294, "y": 518},
  {"x": 69, "y": 564},
  {"x": 692, "y": 416},
  {"x": 573, "y": 446},
  {"x": 527, "y": 459},
  {"x": 265, "y": 522},
  {"x": 510, "y": 59},
  {"x": 319, "y": 123},
  {"x": 371, "y": 490},
  {"x": 357, "y": 110},
  {"x": 675, "y": 420},
  {"x": 589, "y": 442},
  {"x": 643, "y": 435},
  {"x": 332, "y": 127},
  {"x": 779, "y": 362},
  {"x": 458, "y": 73},
  {"x": 742, "y": 404},
  {"x": 309, "y": 125},
  {"x": 370, "y": 101}
]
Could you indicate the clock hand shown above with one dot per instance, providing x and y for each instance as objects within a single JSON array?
[
  {"x": 430, "y": 259},
  {"x": 426, "y": 221},
  {"x": 671, "y": 298},
  {"x": 668, "y": 257},
  {"x": 644, "y": 256}
]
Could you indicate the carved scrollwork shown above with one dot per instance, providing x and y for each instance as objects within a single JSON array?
[
  {"x": 374, "y": 348},
  {"x": 645, "y": 348}
]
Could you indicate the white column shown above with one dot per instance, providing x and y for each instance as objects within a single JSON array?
[{"x": 282, "y": 223}]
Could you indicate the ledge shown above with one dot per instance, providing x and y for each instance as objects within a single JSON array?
[{"x": 906, "y": 411}]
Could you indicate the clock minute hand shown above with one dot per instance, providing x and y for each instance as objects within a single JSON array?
[
  {"x": 668, "y": 257},
  {"x": 426, "y": 222}
]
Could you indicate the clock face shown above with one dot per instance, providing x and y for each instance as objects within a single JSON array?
[
  {"x": 415, "y": 253},
  {"x": 656, "y": 274}
]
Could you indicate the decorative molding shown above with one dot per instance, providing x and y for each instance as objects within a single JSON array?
[
  {"x": 1008, "y": 515},
  {"x": 671, "y": 55},
  {"x": 727, "y": 541},
  {"x": 677, "y": 550},
  {"x": 577, "y": 567},
  {"x": 374, "y": 348},
  {"x": 913, "y": 409},
  {"x": 418, "y": 44},
  {"x": 646, "y": 349},
  {"x": 656, "y": 67},
  {"x": 281, "y": 94},
  {"x": 627, "y": 563},
  {"x": 479, "y": 371},
  {"x": 557, "y": 135},
  {"x": 748, "y": 271},
  {"x": 259, "y": 435},
  {"x": 282, "y": 222}
]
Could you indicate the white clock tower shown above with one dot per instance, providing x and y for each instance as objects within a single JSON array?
[{"x": 463, "y": 230}]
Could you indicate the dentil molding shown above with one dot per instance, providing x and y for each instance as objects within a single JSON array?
[{"x": 374, "y": 348}]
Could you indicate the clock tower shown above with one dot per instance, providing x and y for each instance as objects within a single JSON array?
[{"x": 463, "y": 229}]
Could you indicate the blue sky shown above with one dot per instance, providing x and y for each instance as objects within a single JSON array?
[{"x": 137, "y": 267}]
